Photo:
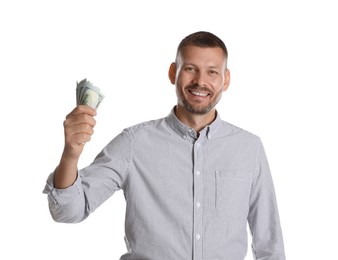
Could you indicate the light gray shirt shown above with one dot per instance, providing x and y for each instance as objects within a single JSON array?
[{"x": 188, "y": 195}]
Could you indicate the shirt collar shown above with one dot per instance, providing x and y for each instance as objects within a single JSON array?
[{"x": 187, "y": 132}]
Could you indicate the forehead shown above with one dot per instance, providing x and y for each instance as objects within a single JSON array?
[{"x": 202, "y": 56}]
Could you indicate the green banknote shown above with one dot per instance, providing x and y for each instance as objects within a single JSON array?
[{"x": 88, "y": 94}]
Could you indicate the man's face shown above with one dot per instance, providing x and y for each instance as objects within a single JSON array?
[{"x": 200, "y": 76}]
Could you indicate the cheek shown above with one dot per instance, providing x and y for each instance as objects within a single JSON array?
[
  {"x": 220, "y": 83},
  {"x": 181, "y": 82},
  {"x": 185, "y": 78},
  {"x": 219, "y": 88}
]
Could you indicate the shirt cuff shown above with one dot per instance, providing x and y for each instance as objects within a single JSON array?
[{"x": 62, "y": 196}]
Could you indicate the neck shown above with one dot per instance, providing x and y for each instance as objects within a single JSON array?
[{"x": 195, "y": 121}]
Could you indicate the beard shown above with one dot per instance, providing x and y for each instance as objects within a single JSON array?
[{"x": 195, "y": 108}]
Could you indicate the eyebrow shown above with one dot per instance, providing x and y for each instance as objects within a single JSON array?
[{"x": 192, "y": 64}]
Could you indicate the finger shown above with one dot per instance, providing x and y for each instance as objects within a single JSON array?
[
  {"x": 82, "y": 109},
  {"x": 74, "y": 130},
  {"x": 81, "y": 128},
  {"x": 80, "y": 138},
  {"x": 79, "y": 119}
]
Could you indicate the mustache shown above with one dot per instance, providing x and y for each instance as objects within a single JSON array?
[{"x": 197, "y": 87}]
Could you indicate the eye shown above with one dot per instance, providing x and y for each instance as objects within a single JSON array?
[
  {"x": 190, "y": 69},
  {"x": 213, "y": 72}
]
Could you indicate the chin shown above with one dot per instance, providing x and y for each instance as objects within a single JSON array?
[{"x": 197, "y": 110}]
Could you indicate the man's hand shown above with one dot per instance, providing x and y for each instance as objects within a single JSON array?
[{"x": 78, "y": 128}]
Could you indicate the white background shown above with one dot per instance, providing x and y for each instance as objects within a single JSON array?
[{"x": 283, "y": 61}]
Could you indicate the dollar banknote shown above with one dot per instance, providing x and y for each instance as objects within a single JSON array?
[{"x": 88, "y": 94}]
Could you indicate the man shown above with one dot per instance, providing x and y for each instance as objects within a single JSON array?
[{"x": 191, "y": 181}]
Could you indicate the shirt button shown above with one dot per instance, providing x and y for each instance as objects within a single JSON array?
[
  {"x": 198, "y": 236},
  {"x": 198, "y": 172},
  {"x": 198, "y": 204}
]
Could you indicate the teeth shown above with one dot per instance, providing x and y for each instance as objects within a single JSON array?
[{"x": 199, "y": 94}]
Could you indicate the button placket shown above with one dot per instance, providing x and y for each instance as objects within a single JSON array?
[{"x": 198, "y": 198}]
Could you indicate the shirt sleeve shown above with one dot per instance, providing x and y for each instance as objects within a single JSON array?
[
  {"x": 94, "y": 184},
  {"x": 263, "y": 218}
]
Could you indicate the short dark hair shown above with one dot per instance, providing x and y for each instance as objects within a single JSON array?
[{"x": 202, "y": 39}]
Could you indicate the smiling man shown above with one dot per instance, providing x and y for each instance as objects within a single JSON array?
[
  {"x": 200, "y": 74},
  {"x": 191, "y": 181}
]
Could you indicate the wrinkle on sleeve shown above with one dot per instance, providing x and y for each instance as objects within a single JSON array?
[{"x": 263, "y": 218}]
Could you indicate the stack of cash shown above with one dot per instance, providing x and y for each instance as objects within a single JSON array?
[{"x": 88, "y": 94}]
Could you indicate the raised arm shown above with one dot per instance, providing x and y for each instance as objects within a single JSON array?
[{"x": 78, "y": 129}]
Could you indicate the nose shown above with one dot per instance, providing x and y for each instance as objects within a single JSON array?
[{"x": 200, "y": 79}]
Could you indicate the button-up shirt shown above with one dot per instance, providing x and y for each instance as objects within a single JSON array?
[{"x": 188, "y": 195}]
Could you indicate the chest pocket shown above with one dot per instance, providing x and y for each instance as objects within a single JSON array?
[{"x": 232, "y": 193}]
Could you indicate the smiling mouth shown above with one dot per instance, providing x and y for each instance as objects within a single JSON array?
[{"x": 198, "y": 93}]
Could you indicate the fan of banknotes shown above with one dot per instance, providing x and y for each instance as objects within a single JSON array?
[{"x": 88, "y": 94}]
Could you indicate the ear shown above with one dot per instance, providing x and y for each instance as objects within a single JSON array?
[
  {"x": 226, "y": 80},
  {"x": 172, "y": 73}
]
